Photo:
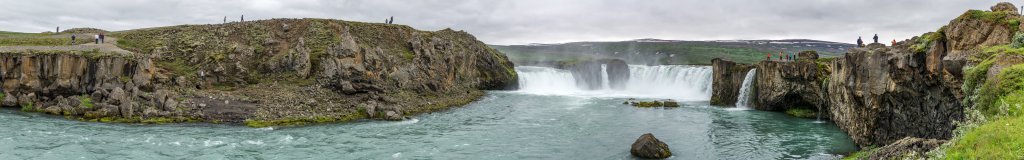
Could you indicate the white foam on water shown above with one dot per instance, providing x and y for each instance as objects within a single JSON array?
[{"x": 679, "y": 82}]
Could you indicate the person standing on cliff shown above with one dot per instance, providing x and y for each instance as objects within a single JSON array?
[
  {"x": 860, "y": 43},
  {"x": 769, "y": 56},
  {"x": 72, "y": 39},
  {"x": 876, "y": 38},
  {"x": 893, "y": 42},
  {"x": 97, "y": 38}
]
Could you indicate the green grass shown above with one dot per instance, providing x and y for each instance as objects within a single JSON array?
[
  {"x": 40, "y": 39},
  {"x": 647, "y": 104},
  {"x": 992, "y": 98},
  {"x": 998, "y": 139},
  {"x": 802, "y": 112},
  {"x": 2, "y": 96},
  {"x": 85, "y": 101},
  {"x": 1001, "y": 17},
  {"x": 926, "y": 40},
  {"x": 998, "y": 98},
  {"x": 28, "y": 107},
  {"x": 862, "y": 154}
]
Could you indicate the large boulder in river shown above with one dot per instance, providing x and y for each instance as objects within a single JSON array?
[
  {"x": 649, "y": 147},
  {"x": 728, "y": 79}
]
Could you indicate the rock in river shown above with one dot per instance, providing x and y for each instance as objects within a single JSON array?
[{"x": 649, "y": 147}]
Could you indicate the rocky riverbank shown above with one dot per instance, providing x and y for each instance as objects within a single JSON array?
[
  {"x": 261, "y": 73},
  {"x": 915, "y": 89}
]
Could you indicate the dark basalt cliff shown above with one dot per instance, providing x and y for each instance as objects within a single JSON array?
[
  {"x": 728, "y": 78},
  {"x": 268, "y": 72},
  {"x": 882, "y": 94},
  {"x": 785, "y": 85}
]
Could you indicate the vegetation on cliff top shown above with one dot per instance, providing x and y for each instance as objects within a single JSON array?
[
  {"x": 996, "y": 119},
  {"x": 1000, "y": 17},
  {"x": 41, "y": 39}
]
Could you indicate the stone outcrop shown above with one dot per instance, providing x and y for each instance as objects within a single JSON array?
[
  {"x": 807, "y": 55},
  {"x": 975, "y": 29},
  {"x": 782, "y": 85},
  {"x": 649, "y": 147},
  {"x": 878, "y": 94},
  {"x": 57, "y": 83},
  {"x": 909, "y": 147},
  {"x": 728, "y": 79},
  {"x": 881, "y": 94}
]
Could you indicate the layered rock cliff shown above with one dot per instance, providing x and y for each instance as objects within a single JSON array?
[
  {"x": 728, "y": 78},
  {"x": 785, "y": 85},
  {"x": 880, "y": 94},
  {"x": 268, "y": 72}
]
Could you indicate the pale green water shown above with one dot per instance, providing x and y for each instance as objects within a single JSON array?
[{"x": 504, "y": 125}]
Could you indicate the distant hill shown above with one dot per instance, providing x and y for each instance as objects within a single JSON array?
[{"x": 657, "y": 51}]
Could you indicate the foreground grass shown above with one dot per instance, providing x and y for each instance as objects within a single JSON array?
[
  {"x": 998, "y": 99},
  {"x": 998, "y": 139},
  {"x": 801, "y": 112}
]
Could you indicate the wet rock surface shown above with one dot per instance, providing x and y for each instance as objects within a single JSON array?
[
  {"x": 728, "y": 79},
  {"x": 647, "y": 146}
]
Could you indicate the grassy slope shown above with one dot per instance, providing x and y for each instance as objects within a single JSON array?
[{"x": 40, "y": 39}]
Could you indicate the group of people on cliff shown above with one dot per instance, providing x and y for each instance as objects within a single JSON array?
[
  {"x": 783, "y": 56},
  {"x": 99, "y": 37},
  {"x": 860, "y": 43}
]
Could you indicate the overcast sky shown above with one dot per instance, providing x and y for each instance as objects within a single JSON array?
[{"x": 528, "y": 21}]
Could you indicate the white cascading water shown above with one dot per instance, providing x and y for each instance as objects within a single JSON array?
[
  {"x": 686, "y": 83},
  {"x": 605, "y": 82},
  {"x": 545, "y": 80},
  {"x": 743, "y": 101}
]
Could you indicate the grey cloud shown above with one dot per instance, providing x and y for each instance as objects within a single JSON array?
[{"x": 527, "y": 21}]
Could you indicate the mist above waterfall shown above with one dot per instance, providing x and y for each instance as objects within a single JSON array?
[{"x": 679, "y": 82}]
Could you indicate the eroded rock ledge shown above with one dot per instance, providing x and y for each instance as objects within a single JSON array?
[
  {"x": 262, "y": 73},
  {"x": 880, "y": 94}
]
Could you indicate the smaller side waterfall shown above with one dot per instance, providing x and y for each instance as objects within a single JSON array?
[{"x": 743, "y": 101}]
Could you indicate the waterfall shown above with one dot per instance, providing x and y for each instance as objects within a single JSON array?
[
  {"x": 680, "y": 82},
  {"x": 743, "y": 101},
  {"x": 544, "y": 80},
  {"x": 605, "y": 82}
]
